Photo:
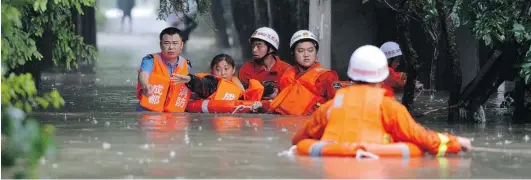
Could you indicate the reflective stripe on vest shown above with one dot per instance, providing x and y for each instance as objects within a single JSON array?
[{"x": 443, "y": 146}]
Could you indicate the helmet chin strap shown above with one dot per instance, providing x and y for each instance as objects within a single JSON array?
[{"x": 262, "y": 59}]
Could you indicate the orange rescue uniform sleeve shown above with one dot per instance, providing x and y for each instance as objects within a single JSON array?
[
  {"x": 314, "y": 127},
  {"x": 245, "y": 72},
  {"x": 403, "y": 128},
  {"x": 395, "y": 79},
  {"x": 324, "y": 84}
]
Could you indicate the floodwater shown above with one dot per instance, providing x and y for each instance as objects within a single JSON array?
[{"x": 100, "y": 136}]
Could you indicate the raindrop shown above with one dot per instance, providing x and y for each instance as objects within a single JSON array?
[
  {"x": 508, "y": 142},
  {"x": 128, "y": 80},
  {"x": 106, "y": 145},
  {"x": 200, "y": 128},
  {"x": 42, "y": 161},
  {"x": 107, "y": 124},
  {"x": 54, "y": 165},
  {"x": 219, "y": 139},
  {"x": 141, "y": 161},
  {"x": 165, "y": 161},
  {"x": 119, "y": 153},
  {"x": 148, "y": 160},
  {"x": 145, "y": 146},
  {"x": 200, "y": 144},
  {"x": 172, "y": 154},
  {"x": 270, "y": 138},
  {"x": 97, "y": 79},
  {"x": 284, "y": 129},
  {"x": 94, "y": 121},
  {"x": 526, "y": 138}
]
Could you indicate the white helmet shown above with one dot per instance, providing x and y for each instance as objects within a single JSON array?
[
  {"x": 391, "y": 49},
  {"x": 368, "y": 64},
  {"x": 266, "y": 34},
  {"x": 303, "y": 35}
]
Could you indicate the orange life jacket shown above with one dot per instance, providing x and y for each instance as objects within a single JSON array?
[
  {"x": 356, "y": 117},
  {"x": 298, "y": 96},
  {"x": 233, "y": 89},
  {"x": 166, "y": 96}
]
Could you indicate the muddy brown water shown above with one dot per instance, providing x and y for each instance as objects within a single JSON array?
[{"x": 100, "y": 136}]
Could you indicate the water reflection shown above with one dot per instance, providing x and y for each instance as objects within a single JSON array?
[{"x": 454, "y": 167}]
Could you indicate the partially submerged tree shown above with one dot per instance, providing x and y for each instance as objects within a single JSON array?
[
  {"x": 25, "y": 24},
  {"x": 504, "y": 26}
]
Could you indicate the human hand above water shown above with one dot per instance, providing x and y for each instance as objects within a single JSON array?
[
  {"x": 177, "y": 78},
  {"x": 465, "y": 143}
]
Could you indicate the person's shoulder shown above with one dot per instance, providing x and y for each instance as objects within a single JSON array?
[
  {"x": 246, "y": 65},
  {"x": 188, "y": 62},
  {"x": 148, "y": 57},
  {"x": 393, "y": 104},
  {"x": 283, "y": 63}
]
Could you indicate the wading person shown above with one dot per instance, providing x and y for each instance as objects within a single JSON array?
[
  {"x": 396, "y": 80},
  {"x": 158, "y": 87},
  {"x": 307, "y": 85},
  {"x": 265, "y": 66},
  {"x": 361, "y": 113}
]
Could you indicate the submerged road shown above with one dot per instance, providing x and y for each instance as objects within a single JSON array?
[{"x": 100, "y": 136}]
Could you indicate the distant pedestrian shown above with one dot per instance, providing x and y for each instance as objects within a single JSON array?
[{"x": 126, "y": 6}]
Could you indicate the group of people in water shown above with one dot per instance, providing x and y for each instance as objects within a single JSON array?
[{"x": 363, "y": 110}]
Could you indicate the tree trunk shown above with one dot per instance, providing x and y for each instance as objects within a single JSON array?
[
  {"x": 519, "y": 101},
  {"x": 269, "y": 14},
  {"x": 433, "y": 68},
  {"x": 411, "y": 59},
  {"x": 217, "y": 11},
  {"x": 256, "y": 11},
  {"x": 448, "y": 34},
  {"x": 243, "y": 17}
]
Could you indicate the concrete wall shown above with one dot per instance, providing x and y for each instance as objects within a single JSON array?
[
  {"x": 353, "y": 25},
  {"x": 320, "y": 25},
  {"x": 344, "y": 25}
]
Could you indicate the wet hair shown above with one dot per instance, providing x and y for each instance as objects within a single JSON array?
[
  {"x": 171, "y": 31},
  {"x": 222, "y": 57}
]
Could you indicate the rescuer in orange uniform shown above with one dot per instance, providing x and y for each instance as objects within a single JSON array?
[
  {"x": 362, "y": 114},
  {"x": 157, "y": 88},
  {"x": 307, "y": 85},
  {"x": 265, "y": 66},
  {"x": 223, "y": 85},
  {"x": 396, "y": 80}
]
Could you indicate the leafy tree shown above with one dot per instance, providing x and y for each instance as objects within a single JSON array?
[{"x": 24, "y": 22}]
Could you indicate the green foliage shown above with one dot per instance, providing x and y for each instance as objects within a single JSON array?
[
  {"x": 167, "y": 7},
  {"x": 24, "y": 22},
  {"x": 27, "y": 142},
  {"x": 502, "y": 22},
  {"x": 20, "y": 91}
]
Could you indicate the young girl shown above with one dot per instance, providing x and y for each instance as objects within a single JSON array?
[{"x": 221, "y": 84}]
